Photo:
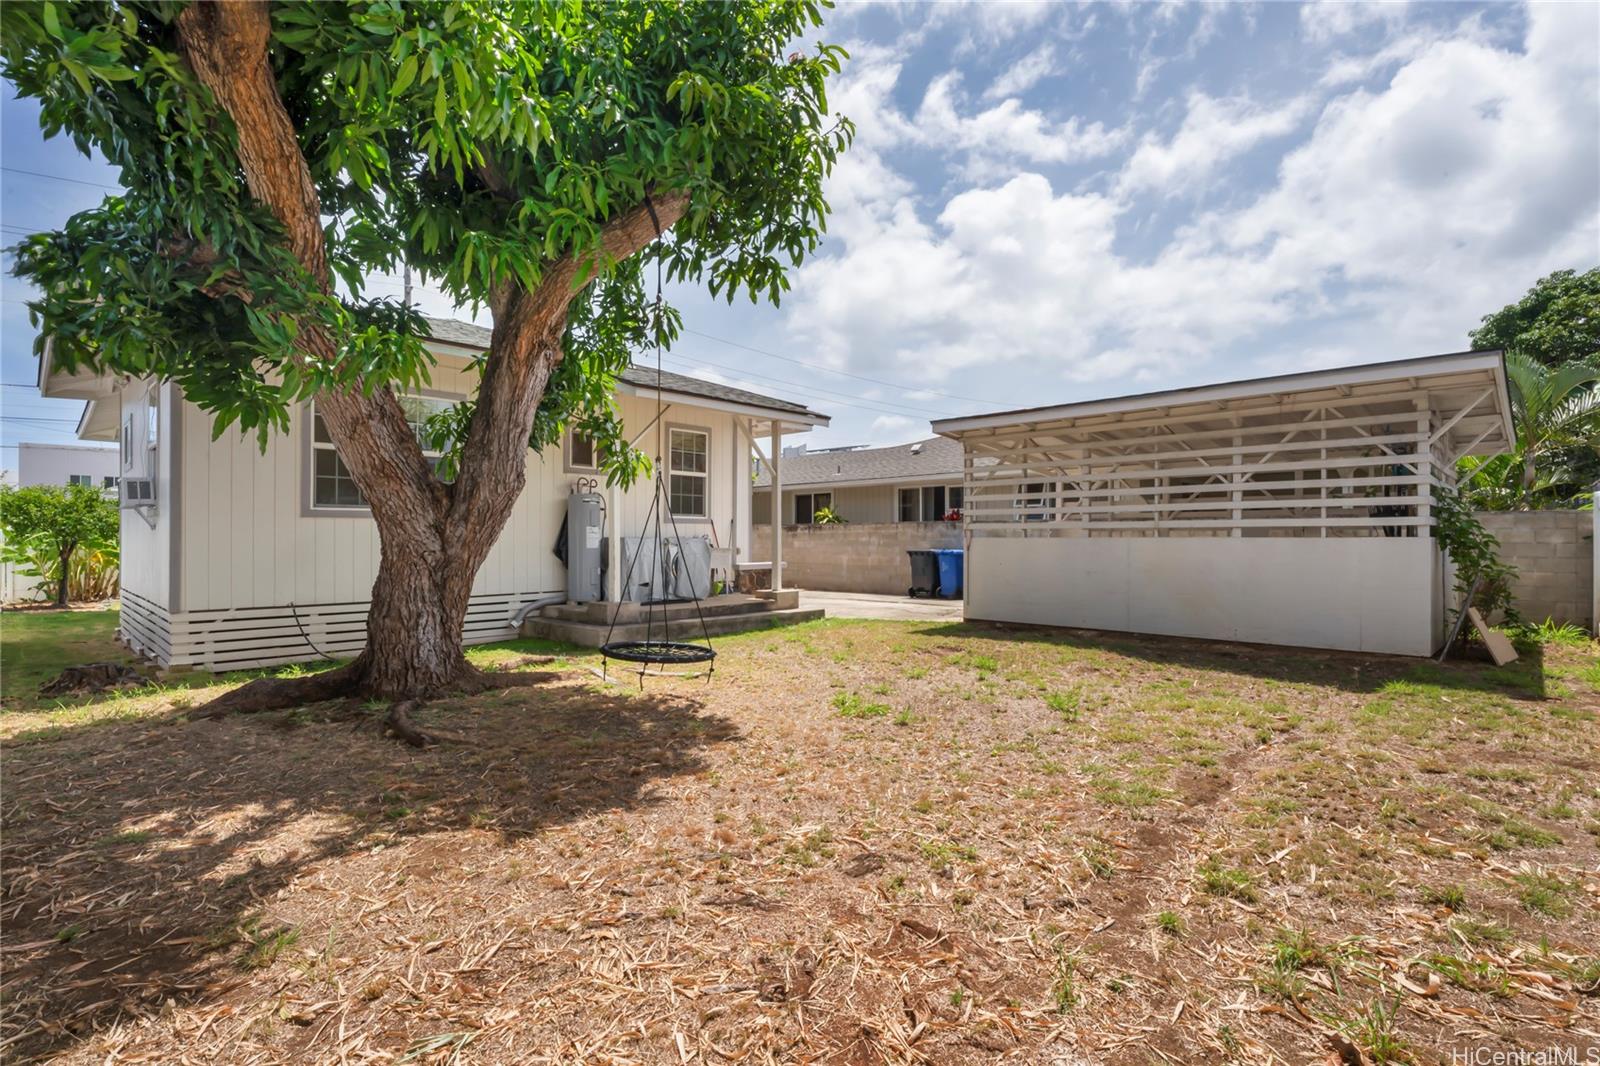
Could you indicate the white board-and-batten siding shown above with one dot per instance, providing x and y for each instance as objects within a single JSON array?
[{"x": 241, "y": 571}]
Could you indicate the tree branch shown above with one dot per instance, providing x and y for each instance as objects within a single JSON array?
[
  {"x": 523, "y": 351},
  {"x": 226, "y": 44},
  {"x": 623, "y": 236}
]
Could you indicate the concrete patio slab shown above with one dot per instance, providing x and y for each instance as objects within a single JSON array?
[{"x": 870, "y": 605}]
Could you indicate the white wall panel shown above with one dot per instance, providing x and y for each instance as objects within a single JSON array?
[
  {"x": 246, "y": 541},
  {"x": 1358, "y": 593}
]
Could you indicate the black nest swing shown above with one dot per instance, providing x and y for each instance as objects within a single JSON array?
[{"x": 665, "y": 651}]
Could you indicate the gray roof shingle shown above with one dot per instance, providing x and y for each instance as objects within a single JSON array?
[
  {"x": 936, "y": 457},
  {"x": 453, "y": 331}
]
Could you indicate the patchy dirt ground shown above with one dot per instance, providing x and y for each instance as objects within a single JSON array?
[{"x": 862, "y": 842}]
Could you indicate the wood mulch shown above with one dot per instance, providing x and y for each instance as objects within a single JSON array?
[{"x": 857, "y": 843}]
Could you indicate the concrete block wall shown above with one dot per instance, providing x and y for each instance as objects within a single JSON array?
[
  {"x": 1554, "y": 554},
  {"x": 857, "y": 557}
]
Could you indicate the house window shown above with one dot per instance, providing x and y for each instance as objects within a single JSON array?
[
  {"x": 807, "y": 504},
  {"x": 580, "y": 451},
  {"x": 957, "y": 499},
  {"x": 926, "y": 504},
  {"x": 109, "y": 482},
  {"x": 687, "y": 476},
  {"x": 1033, "y": 502},
  {"x": 332, "y": 484},
  {"x": 86, "y": 480}
]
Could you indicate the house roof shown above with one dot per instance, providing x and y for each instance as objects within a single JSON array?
[
  {"x": 467, "y": 335},
  {"x": 1489, "y": 364},
  {"x": 923, "y": 460}
]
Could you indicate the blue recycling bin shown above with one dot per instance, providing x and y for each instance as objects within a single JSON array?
[{"x": 951, "y": 562}]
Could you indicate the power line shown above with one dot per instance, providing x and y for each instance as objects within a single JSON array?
[
  {"x": 828, "y": 402},
  {"x": 62, "y": 177},
  {"x": 841, "y": 373},
  {"x": 845, "y": 397}
]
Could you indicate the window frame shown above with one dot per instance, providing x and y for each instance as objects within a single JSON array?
[
  {"x": 86, "y": 480},
  {"x": 811, "y": 498},
  {"x": 126, "y": 443},
  {"x": 309, "y": 508},
  {"x": 900, "y": 503},
  {"x": 571, "y": 465},
  {"x": 704, "y": 475},
  {"x": 152, "y": 422},
  {"x": 1031, "y": 504},
  {"x": 925, "y": 495}
]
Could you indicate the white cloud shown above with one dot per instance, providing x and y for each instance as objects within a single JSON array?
[
  {"x": 1025, "y": 73},
  {"x": 1008, "y": 129},
  {"x": 1401, "y": 218},
  {"x": 1327, "y": 19},
  {"x": 895, "y": 429},
  {"x": 1213, "y": 131}
]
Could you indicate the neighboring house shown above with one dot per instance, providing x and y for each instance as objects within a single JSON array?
[
  {"x": 67, "y": 464},
  {"x": 1297, "y": 509},
  {"x": 235, "y": 557},
  {"x": 917, "y": 482},
  {"x": 53, "y": 464}
]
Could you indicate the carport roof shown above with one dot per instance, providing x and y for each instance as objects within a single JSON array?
[{"x": 1456, "y": 382}]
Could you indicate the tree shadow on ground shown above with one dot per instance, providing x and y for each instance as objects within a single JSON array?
[
  {"x": 1467, "y": 669},
  {"x": 137, "y": 852}
]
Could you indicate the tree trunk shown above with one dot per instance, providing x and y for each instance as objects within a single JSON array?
[
  {"x": 61, "y": 586},
  {"x": 419, "y": 602}
]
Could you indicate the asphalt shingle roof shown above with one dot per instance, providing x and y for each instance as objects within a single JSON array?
[
  {"x": 453, "y": 331},
  {"x": 932, "y": 458}
]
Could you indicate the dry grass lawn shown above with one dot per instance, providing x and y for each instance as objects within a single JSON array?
[{"x": 861, "y": 842}]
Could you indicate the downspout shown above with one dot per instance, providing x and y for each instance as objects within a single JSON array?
[{"x": 535, "y": 604}]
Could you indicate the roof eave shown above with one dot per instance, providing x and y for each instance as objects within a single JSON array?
[
  {"x": 803, "y": 420},
  {"x": 867, "y": 483}
]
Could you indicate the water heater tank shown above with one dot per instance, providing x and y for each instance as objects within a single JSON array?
[{"x": 585, "y": 546}]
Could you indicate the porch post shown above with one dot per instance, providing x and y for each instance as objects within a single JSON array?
[
  {"x": 614, "y": 546},
  {"x": 774, "y": 458}
]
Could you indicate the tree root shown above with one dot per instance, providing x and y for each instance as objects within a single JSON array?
[
  {"x": 474, "y": 681},
  {"x": 398, "y": 721},
  {"x": 282, "y": 693},
  {"x": 279, "y": 693}
]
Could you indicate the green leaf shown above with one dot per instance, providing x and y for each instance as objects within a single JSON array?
[{"x": 404, "y": 76}]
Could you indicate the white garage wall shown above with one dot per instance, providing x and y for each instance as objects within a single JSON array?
[{"x": 1376, "y": 594}]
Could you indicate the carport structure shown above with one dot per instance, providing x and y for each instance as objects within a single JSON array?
[{"x": 1295, "y": 509}]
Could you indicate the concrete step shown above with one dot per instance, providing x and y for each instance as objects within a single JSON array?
[
  {"x": 592, "y": 635},
  {"x": 710, "y": 607}
]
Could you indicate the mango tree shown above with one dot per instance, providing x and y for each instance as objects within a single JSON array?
[{"x": 539, "y": 159}]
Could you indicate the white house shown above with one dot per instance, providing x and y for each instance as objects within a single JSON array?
[
  {"x": 67, "y": 464},
  {"x": 235, "y": 557},
  {"x": 916, "y": 482},
  {"x": 1287, "y": 510}
]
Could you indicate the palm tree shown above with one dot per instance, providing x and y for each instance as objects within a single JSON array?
[{"x": 1556, "y": 413}]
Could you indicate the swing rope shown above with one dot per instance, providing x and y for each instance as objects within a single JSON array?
[{"x": 666, "y": 651}]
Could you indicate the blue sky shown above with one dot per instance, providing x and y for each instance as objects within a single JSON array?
[{"x": 1055, "y": 202}]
